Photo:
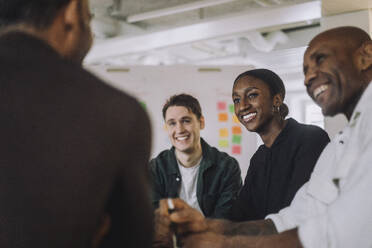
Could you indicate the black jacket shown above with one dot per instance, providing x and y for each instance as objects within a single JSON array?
[
  {"x": 276, "y": 173},
  {"x": 71, "y": 149},
  {"x": 219, "y": 180}
]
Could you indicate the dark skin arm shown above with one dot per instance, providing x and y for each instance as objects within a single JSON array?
[
  {"x": 288, "y": 239},
  {"x": 197, "y": 231},
  {"x": 191, "y": 220}
]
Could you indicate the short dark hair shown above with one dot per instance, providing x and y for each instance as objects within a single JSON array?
[
  {"x": 184, "y": 100},
  {"x": 272, "y": 80},
  {"x": 38, "y": 13}
]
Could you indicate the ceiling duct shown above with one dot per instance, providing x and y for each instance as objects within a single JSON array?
[{"x": 268, "y": 43}]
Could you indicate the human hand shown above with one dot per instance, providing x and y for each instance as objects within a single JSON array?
[
  {"x": 162, "y": 236},
  {"x": 186, "y": 218}
]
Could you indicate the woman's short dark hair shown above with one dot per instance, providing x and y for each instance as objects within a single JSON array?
[
  {"x": 183, "y": 100},
  {"x": 38, "y": 13},
  {"x": 272, "y": 80}
]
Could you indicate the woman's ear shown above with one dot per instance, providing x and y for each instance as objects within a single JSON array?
[
  {"x": 364, "y": 56},
  {"x": 277, "y": 100}
]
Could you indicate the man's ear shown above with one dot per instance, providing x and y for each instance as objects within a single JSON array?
[
  {"x": 72, "y": 14},
  {"x": 364, "y": 56},
  {"x": 202, "y": 122}
]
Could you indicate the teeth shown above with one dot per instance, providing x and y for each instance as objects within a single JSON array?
[
  {"x": 181, "y": 138},
  {"x": 249, "y": 116},
  {"x": 320, "y": 90}
]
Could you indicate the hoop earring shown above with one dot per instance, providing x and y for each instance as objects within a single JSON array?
[{"x": 276, "y": 109}]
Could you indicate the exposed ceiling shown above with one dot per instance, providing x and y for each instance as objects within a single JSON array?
[{"x": 261, "y": 33}]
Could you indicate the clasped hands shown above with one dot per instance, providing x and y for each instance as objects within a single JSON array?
[{"x": 187, "y": 223}]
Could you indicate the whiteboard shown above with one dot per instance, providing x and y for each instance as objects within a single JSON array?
[{"x": 152, "y": 86}]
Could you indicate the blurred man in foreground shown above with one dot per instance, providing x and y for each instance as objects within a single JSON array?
[
  {"x": 333, "y": 209},
  {"x": 72, "y": 150}
]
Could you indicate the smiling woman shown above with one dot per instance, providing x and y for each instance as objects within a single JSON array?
[{"x": 286, "y": 159}]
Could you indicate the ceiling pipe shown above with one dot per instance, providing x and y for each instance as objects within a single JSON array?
[
  {"x": 268, "y": 43},
  {"x": 175, "y": 10}
]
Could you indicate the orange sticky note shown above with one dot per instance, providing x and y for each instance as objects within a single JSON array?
[
  {"x": 223, "y": 117},
  {"x": 224, "y": 132},
  {"x": 237, "y": 150},
  {"x": 236, "y": 130},
  {"x": 235, "y": 119}
]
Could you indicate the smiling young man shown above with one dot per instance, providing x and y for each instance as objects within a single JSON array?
[
  {"x": 333, "y": 209},
  {"x": 204, "y": 177},
  {"x": 69, "y": 157}
]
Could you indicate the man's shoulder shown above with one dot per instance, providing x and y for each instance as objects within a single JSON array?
[{"x": 164, "y": 159}]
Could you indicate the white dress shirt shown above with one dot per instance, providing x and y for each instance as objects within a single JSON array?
[{"x": 334, "y": 208}]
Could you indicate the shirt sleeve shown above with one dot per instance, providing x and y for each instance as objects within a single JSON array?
[
  {"x": 156, "y": 187},
  {"x": 303, "y": 205},
  {"x": 348, "y": 220}
]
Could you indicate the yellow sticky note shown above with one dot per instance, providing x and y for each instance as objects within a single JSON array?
[
  {"x": 223, "y": 143},
  {"x": 224, "y": 132},
  {"x": 235, "y": 119}
]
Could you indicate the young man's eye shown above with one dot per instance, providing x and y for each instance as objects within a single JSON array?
[
  {"x": 186, "y": 121},
  {"x": 171, "y": 124}
]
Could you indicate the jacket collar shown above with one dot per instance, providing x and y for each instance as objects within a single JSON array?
[
  {"x": 204, "y": 164},
  {"x": 17, "y": 39}
]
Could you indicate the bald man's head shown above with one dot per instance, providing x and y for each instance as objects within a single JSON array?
[{"x": 337, "y": 68}]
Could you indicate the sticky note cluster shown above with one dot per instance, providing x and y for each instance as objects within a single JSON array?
[{"x": 230, "y": 133}]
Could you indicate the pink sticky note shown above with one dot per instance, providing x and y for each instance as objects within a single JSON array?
[
  {"x": 221, "y": 106},
  {"x": 236, "y": 150}
]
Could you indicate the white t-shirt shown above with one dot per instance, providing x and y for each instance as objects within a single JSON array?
[
  {"x": 189, "y": 184},
  {"x": 334, "y": 208}
]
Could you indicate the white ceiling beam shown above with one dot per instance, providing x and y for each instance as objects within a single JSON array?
[
  {"x": 175, "y": 10},
  {"x": 207, "y": 30},
  {"x": 332, "y": 7}
]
